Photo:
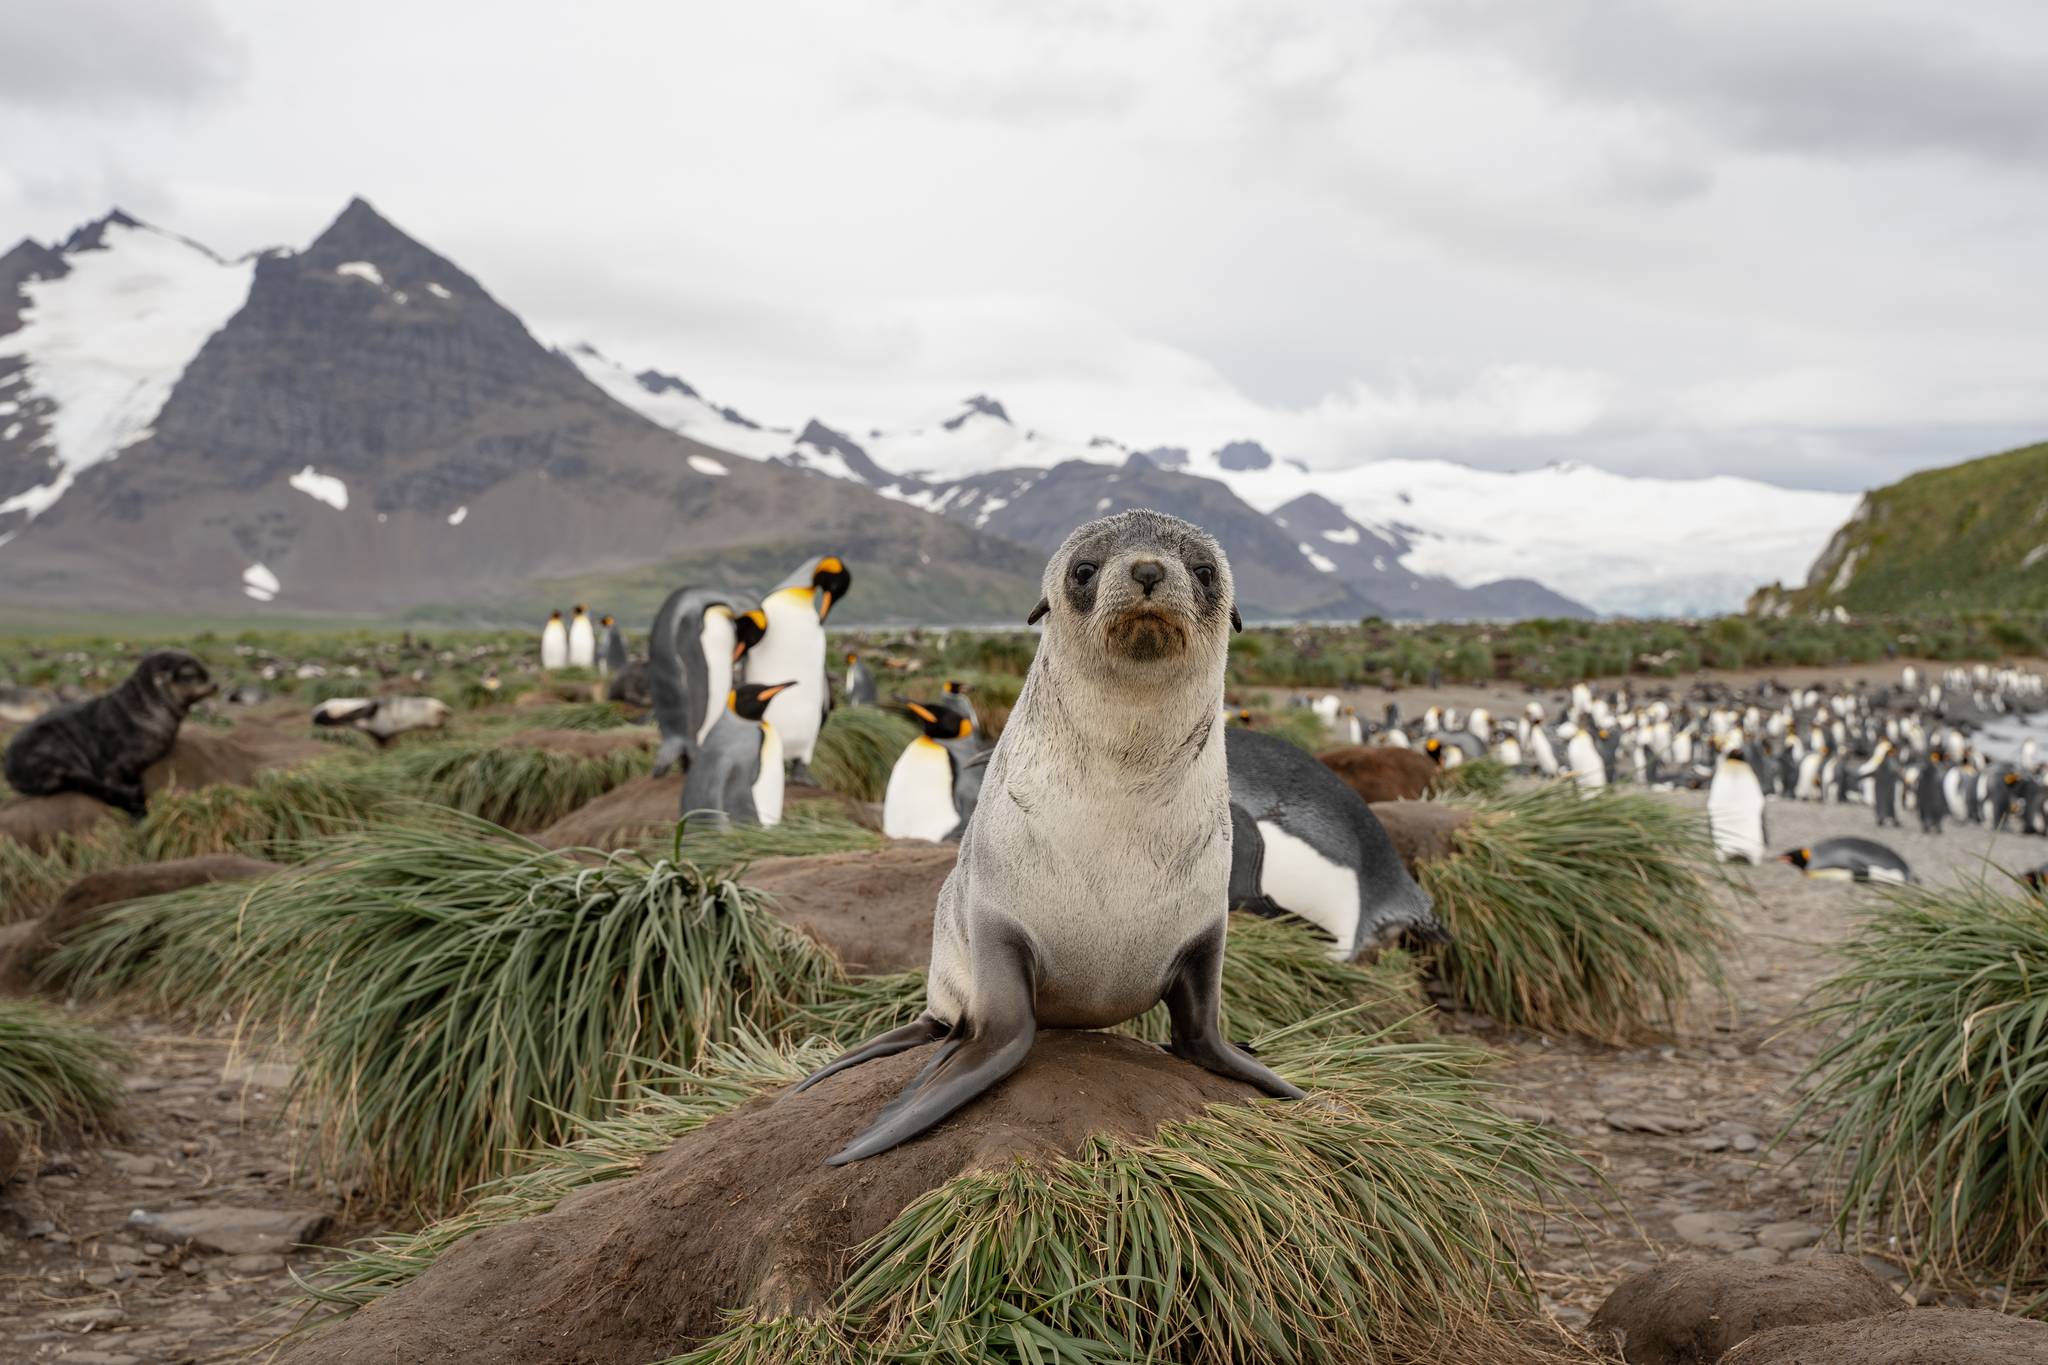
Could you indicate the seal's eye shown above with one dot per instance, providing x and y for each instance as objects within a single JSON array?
[
  {"x": 1205, "y": 574},
  {"x": 1084, "y": 571}
]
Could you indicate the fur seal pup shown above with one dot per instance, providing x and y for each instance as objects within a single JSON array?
[
  {"x": 1850, "y": 859},
  {"x": 1093, "y": 881},
  {"x": 101, "y": 746},
  {"x": 1308, "y": 845}
]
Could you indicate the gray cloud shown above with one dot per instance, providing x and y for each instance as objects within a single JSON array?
[
  {"x": 96, "y": 53},
  {"x": 1832, "y": 80}
]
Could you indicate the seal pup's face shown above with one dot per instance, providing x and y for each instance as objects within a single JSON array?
[
  {"x": 176, "y": 677},
  {"x": 1144, "y": 593}
]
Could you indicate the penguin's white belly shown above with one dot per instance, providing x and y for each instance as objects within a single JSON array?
[
  {"x": 1397, "y": 739},
  {"x": 554, "y": 646},
  {"x": 1304, "y": 882},
  {"x": 582, "y": 645},
  {"x": 1831, "y": 874},
  {"x": 919, "y": 801},
  {"x": 1890, "y": 875},
  {"x": 768, "y": 783},
  {"x": 1587, "y": 769},
  {"x": 793, "y": 651},
  {"x": 717, "y": 638},
  {"x": 1735, "y": 812}
]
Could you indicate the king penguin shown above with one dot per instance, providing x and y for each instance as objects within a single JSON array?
[
  {"x": 1303, "y": 842},
  {"x": 937, "y": 779},
  {"x": 860, "y": 684},
  {"x": 1735, "y": 810},
  {"x": 1931, "y": 791},
  {"x": 1582, "y": 755},
  {"x": 795, "y": 649},
  {"x": 736, "y": 776},
  {"x": 554, "y": 643},
  {"x": 696, "y": 642},
  {"x": 582, "y": 640},
  {"x": 1848, "y": 859},
  {"x": 616, "y": 656}
]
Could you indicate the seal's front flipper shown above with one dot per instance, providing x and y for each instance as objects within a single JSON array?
[
  {"x": 919, "y": 1031},
  {"x": 1194, "y": 1004},
  {"x": 986, "y": 1046}
]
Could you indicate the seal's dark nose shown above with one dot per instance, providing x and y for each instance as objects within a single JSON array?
[{"x": 1149, "y": 573}]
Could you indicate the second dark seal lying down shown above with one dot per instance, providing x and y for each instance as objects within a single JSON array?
[
  {"x": 1093, "y": 881},
  {"x": 101, "y": 747}
]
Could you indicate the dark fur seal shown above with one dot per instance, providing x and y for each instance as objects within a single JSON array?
[{"x": 100, "y": 747}]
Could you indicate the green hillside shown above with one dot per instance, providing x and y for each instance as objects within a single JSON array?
[{"x": 1972, "y": 535}]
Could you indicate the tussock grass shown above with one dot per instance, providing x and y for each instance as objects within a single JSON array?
[
  {"x": 55, "y": 1076},
  {"x": 807, "y": 828},
  {"x": 517, "y": 786},
  {"x": 1934, "y": 1088},
  {"x": 1485, "y": 777},
  {"x": 1374, "y": 1222},
  {"x": 858, "y": 747},
  {"x": 272, "y": 818},
  {"x": 567, "y": 715},
  {"x": 457, "y": 993},
  {"x": 30, "y": 881},
  {"x": 1278, "y": 972},
  {"x": 1576, "y": 914}
]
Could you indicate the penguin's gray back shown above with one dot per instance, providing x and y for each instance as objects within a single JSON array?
[
  {"x": 676, "y": 672},
  {"x": 1329, "y": 835},
  {"x": 1860, "y": 857},
  {"x": 722, "y": 771}
]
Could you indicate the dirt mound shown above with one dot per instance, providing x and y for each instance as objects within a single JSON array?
[
  {"x": 1421, "y": 830},
  {"x": 620, "y": 816},
  {"x": 581, "y": 743},
  {"x": 38, "y": 821},
  {"x": 1378, "y": 773},
  {"x": 873, "y": 908},
  {"x": 1927, "y": 1336},
  {"x": 23, "y": 946},
  {"x": 743, "y": 1213},
  {"x": 204, "y": 759},
  {"x": 1689, "y": 1312}
]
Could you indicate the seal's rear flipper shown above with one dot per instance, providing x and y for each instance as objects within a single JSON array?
[
  {"x": 985, "y": 1048},
  {"x": 924, "y": 1029}
]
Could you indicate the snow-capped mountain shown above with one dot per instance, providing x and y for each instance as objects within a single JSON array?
[
  {"x": 93, "y": 336},
  {"x": 1439, "y": 538}
]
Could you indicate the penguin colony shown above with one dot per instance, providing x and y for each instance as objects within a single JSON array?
[{"x": 1913, "y": 750}]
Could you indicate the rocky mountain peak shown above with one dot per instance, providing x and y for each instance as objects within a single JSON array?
[
  {"x": 980, "y": 404},
  {"x": 1240, "y": 455},
  {"x": 654, "y": 381},
  {"x": 91, "y": 237}
]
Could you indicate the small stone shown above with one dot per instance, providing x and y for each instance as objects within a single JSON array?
[
  {"x": 154, "y": 1248},
  {"x": 1788, "y": 1236},
  {"x": 1713, "y": 1142},
  {"x": 236, "y": 1231},
  {"x": 1652, "y": 1122},
  {"x": 1529, "y": 1113},
  {"x": 39, "y": 1227},
  {"x": 1690, "y": 1226},
  {"x": 1883, "y": 1269},
  {"x": 134, "y": 1163},
  {"x": 100, "y": 1358},
  {"x": 257, "y": 1264},
  {"x": 189, "y": 1320},
  {"x": 259, "y": 1075},
  {"x": 100, "y": 1277},
  {"x": 1760, "y": 1255},
  {"x": 87, "y": 1319},
  {"x": 144, "y": 1085},
  {"x": 1745, "y": 1141}
]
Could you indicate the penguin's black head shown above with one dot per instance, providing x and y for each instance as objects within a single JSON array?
[
  {"x": 1244, "y": 718},
  {"x": 1144, "y": 593},
  {"x": 555, "y": 615},
  {"x": 749, "y": 701},
  {"x": 748, "y": 630},
  {"x": 852, "y": 659},
  {"x": 178, "y": 678},
  {"x": 581, "y": 610},
  {"x": 831, "y": 580},
  {"x": 1798, "y": 857},
  {"x": 1435, "y": 749},
  {"x": 607, "y": 621},
  {"x": 940, "y": 724}
]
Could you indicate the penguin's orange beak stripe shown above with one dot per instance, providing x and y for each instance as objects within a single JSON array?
[
  {"x": 768, "y": 692},
  {"x": 922, "y": 714},
  {"x": 824, "y": 603}
]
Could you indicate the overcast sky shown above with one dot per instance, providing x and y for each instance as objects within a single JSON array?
[{"x": 1797, "y": 239}]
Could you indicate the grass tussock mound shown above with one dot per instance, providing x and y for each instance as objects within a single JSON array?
[
  {"x": 1934, "y": 1091},
  {"x": 1374, "y": 1221},
  {"x": 858, "y": 747},
  {"x": 520, "y": 787},
  {"x": 31, "y": 879},
  {"x": 457, "y": 993},
  {"x": 56, "y": 1077},
  {"x": 1576, "y": 914}
]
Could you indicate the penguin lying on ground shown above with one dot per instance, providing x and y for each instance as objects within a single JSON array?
[
  {"x": 382, "y": 718},
  {"x": 1305, "y": 843},
  {"x": 936, "y": 781},
  {"x": 101, "y": 746},
  {"x": 735, "y": 776},
  {"x": 1850, "y": 859}
]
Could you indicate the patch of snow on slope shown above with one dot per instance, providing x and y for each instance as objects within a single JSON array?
[
  {"x": 361, "y": 270},
  {"x": 704, "y": 464},
  {"x": 1347, "y": 536},
  {"x": 1622, "y": 545},
  {"x": 459, "y": 515},
  {"x": 1323, "y": 563},
  {"x": 680, "y": 412},
  {"x": 325, "y": 487},
  {"x": 438, "y": 291},
  {"x": 260, "y": 583},
  {"x": 976, "y": 444},
  {"x": 107, "y": 342}
]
